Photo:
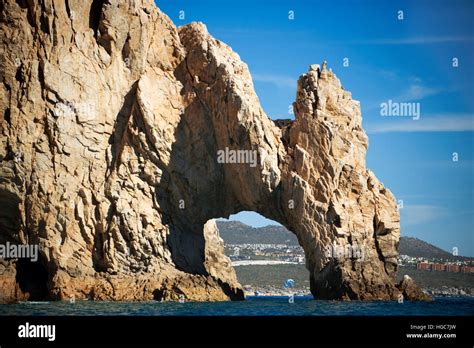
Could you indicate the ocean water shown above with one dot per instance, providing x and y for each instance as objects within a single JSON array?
[{"x": 253, "y": 306}]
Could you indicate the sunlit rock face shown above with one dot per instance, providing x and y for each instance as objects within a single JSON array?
[{"x": 112, "y": 123}]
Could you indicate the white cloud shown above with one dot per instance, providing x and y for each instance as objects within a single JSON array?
[
  {"x": 278, "y": 80},
  {"x": 448, "y": 163},
  {"x": 432, "y": 123},
  {"x": 420, "y": 40},
  {"x": 412, "y": 215},
  {"x": 437, "y": 196},
  {"x": 417, "y": 92}
]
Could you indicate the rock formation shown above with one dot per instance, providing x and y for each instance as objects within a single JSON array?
[
  {"x": 110, "y": 123},
  {"x": 410, "y": 290}
]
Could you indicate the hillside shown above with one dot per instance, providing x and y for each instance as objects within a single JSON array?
[
  {"x": 417, "y": 248},
  {"x": 236, "y": 232},
  {"x": 273, "y": 276}
]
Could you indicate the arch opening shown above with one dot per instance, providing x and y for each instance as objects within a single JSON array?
[{"x": 267, "y": 257}]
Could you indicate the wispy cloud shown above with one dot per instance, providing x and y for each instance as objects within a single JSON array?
[
  {"x": 432, "y": 123},
  {"x": 437, "y": 196},
  {"x": 417, "y": 92},
  {"x": 254, "y": 32},
  {"x": 448, "y": 163},
  {"x": 278, "y": 80},
  {"x": 412, "y": 215},
  {"x": 418, "y": 40}
]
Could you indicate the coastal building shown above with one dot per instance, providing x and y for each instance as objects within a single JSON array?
[
  {"x": 445, "y": 267},
  {"x": 438, "y": 267},
  {"x": 452, "y": 268},
  {"x": 423, "y": 266}
]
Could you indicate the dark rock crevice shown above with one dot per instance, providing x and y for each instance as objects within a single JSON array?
[
  {"x": 32, "y": 278},
  {"x": 95, "y": 14}
]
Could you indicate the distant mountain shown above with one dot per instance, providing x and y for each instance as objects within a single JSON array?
[
  {"x": 417, "y": 248},
  {"x": 236, "y": 232}
]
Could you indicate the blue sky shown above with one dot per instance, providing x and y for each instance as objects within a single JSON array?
[{"x": 409, "y": 60}]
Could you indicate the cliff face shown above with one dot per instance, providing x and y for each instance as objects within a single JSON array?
[{"x": 111, "y": 119}]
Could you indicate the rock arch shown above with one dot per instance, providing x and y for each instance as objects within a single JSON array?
[
  {"x": 118, "y": 172},
  {"x": 316, "y": 184}
]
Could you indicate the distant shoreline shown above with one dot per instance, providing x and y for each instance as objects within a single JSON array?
[{"x": 262, "y": 263}]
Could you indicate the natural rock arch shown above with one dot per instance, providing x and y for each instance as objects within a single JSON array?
[
  {"x": 317, "y": 177},
  {"x": 110, "y": 135}
]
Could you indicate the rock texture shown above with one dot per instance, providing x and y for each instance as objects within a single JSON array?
[
  {"x": 110, "y": 123},
  {"x": 411, "y": 291}
]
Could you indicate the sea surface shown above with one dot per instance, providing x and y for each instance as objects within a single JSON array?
[{"x": 253, "y": 306}]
